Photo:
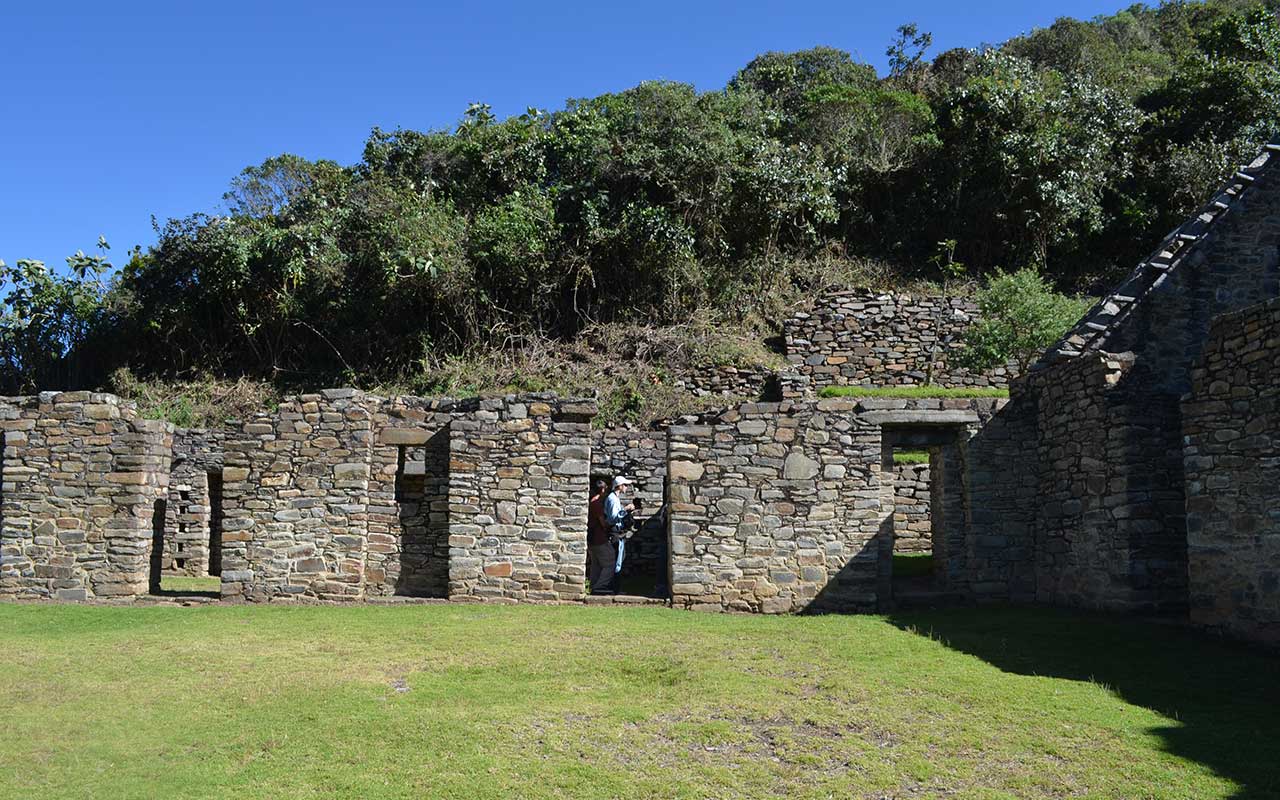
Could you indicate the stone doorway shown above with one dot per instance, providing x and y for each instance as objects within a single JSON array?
[{"x": 922, "y": 469}]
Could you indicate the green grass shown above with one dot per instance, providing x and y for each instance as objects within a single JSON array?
[
  {"x": 912, "y": 565},
  {"x": 913, "y": 392},
  {"x": 182, "y": 584},
  {"x": 458, "y": 701},
  {"x": 911, "y": 456}
]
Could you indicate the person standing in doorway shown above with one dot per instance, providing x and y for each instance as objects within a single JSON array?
[
  {"x": 601, "y": 552},
  {"x": 617, "y": 515}
]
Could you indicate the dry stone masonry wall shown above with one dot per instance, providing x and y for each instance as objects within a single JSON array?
[
  {"x": 1110, "y": 507},
  {"x": 84, "y": 482},
  {"x": 1231, "y": 423},
  {"x": 296, "y": 500},
  {"x": 912, "y": 496},
  {"x": 776, "y": 507},
  {"x": 883, "y": 339},
  {"x": 518, "y": 489}
]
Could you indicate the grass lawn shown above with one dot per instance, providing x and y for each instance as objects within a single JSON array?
[
  {"x": 567, "y": 702},
  {"x": 912, "y": 565},
  {"x": 184, "y": 584},
  {"x": 913, "y": 391}
]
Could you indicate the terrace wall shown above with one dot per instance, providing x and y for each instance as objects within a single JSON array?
[{"x": 883, "y": 339}]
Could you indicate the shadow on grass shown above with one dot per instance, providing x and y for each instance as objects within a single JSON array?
[
  {"x": 1224, "y": 696},
  {"x": 184, "y": 593}
]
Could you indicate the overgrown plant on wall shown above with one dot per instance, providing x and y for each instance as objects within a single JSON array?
[{"x": 1021, "y": 317}]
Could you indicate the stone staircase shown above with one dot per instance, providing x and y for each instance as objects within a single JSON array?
[{"x": 1097, "y": 326}]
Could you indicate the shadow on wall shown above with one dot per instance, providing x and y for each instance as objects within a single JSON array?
[
  {"x": 1223, "y": 696},
  {"x": 857, "y": 586}
]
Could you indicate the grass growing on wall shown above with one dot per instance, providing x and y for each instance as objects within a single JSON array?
[
  {"x": 450, "y": 701},
  {"x": 913, "y": 392}
]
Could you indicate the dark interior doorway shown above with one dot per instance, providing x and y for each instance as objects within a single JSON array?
[
  {"x": 422, "y": 503},
  {"x": 214, "y": 482},
  {"x": 157, "y": 545},
  {"x": 645, "y": 562}
]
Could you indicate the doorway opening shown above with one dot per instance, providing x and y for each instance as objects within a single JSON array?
[
  {"x": 213, "y": 479},
  {"x": 645, "y": 560},
  {"x": 919, "y": 487},
  {"x": 422, "y": 513}
]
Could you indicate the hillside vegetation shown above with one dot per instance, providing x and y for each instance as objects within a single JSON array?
[{"x": 451, "y": 259}]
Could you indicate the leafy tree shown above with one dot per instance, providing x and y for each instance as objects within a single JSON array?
[
  {"x": 1070, "y": 148},
  {"x": 906, "y": 53},
  {"x": 1021, "y": 317},
  {"x": 46, "y": 317},
  {"x": 1026, "y": 158}
]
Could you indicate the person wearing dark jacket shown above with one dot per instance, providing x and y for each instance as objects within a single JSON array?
[{"x": 599, "y": 547}]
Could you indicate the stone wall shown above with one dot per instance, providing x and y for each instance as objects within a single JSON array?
[
  {"x": 776, "y": 507},
  {"x": 1109, "y": 523},
  {"x": 882, "y": 338},
  {"x": 1000, "y": 469},
  {"x": 84, "y": 485},
  {"x": 1223, "y": 258},
  {"x": 912, "y": 498},
  {"x": 1231, "y": 425},
  {"x": 518, "y": 491},
  {"x": 296, "y": 500},
  {"x": 727, "y": 381}
]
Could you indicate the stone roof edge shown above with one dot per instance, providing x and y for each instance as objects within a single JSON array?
[{"x": 1096, "y": 326}]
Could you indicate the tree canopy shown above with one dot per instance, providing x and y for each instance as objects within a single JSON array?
[{"x": 1069, "y": 149}]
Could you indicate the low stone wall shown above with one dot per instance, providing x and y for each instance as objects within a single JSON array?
[
  {"x": 776, "y": 507},
  {"x": 882, "y": 338},
  {"x": 727, "y": 381},
  {"x": 912, "y": 497},
  {"x": 84, "y": 485},
  {"x": 518, "y": 489},
  {"x": 1231, "y": 427}
]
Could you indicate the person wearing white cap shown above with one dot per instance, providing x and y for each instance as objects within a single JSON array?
[{"x": 615, "y": 518}]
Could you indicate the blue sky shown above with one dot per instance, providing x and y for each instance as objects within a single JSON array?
[{"x": 116, "y": 111}]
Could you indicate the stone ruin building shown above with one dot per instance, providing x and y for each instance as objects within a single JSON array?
[{"x": 1135, "y": 468}]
